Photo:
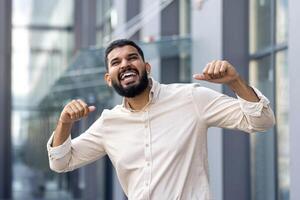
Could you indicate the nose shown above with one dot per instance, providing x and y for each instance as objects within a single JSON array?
[{"x": 124, "y": 63}]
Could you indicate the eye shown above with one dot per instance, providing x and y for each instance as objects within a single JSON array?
[
  {"x": 114, "y": 63},
  {"x": 134, "y": 57}
]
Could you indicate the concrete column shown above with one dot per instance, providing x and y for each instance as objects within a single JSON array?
[
  {"x": 5, "y": 100},
  {"x": 236, "y": 144},
  {"x": 294, "y": 71},
  {"x": 170, "y": 66},
  {"x": 133, "y": 8},
  {"x": 85, "y": 23}
]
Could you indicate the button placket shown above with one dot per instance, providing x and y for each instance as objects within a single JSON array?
[{"x": 147, "y": 167}]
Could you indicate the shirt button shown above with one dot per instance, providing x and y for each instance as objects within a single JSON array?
[
  {"x": 148, "y": 164},
  {"x": 147, "y": 183},
  {"x": 147, "y": 145}
]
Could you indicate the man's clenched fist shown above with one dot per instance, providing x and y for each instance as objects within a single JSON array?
[
  {"x": 218, "y": 71},
  {"x": 75, "y": 110}
]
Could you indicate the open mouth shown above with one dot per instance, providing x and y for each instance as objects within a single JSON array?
[{"x": 129, "y": 76}]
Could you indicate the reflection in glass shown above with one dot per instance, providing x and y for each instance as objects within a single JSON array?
[
  {"x": 281, "y": 21},
  {"x": 262, "y": 144},
  {"x": 106, "y": 19},
  {"x": 282, "y": 108},
  {"x": 260, "y": 24},
  {"x": 42, "y": 47},
  {"x": 45, "y": 78},
  {"x": 43, "y": 13},
  {"x": 32, "y": 178}
]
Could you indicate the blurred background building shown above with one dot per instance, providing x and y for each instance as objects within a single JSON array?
[{"x": 52, "y": 52}]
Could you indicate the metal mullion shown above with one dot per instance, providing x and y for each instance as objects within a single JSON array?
[
  {"x": 273, "y": 49},
  {"x": 6, "y": 145},
  {"x": 260, "y": 54},
  {"x": 273, "y": 65},
  {"x": 44, "y": 27}
]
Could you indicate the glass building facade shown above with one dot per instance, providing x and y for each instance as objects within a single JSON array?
[
  {"x": 52, "y": 65},
  {"x": 269, "y": 72},
  {"x": 57, "y": 55},
  {"x": 42, "y": 47}
]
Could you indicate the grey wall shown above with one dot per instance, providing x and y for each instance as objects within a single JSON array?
[
  {"x": 170, "y": 19},
  {"x": 85, "y": 23},
  {"x": 5, "y": 99},
  {"x": 236, "y": 146},
  {"x": 170, "y": 26},
  {"x": 132, "y": 9},
  {"x": 294, "y": 117}
]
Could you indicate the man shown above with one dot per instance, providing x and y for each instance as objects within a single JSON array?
[{"x": 156, "y": 139}]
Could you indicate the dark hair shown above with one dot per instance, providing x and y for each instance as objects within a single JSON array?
[{"x": 120, "y": 43}]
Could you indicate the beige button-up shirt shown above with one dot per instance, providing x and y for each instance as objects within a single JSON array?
[{"x": 161, "y": 151}]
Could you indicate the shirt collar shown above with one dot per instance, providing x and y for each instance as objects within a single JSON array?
[{"x": 153, "y": 95}]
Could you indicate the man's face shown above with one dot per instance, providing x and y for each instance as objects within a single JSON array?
[{"x": 127, "y": 72}]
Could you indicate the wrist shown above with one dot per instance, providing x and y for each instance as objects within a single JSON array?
[
  {"x": 65, "y": 123},
  {"x": 243, "y": 90},
  {"x": 237, "y": 83}
]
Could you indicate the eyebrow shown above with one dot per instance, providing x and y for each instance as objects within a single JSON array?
[
  {"x": 130, "y": 54},
  {"x": 133, "y": 54},
  {"x": 113, "y": 60}
]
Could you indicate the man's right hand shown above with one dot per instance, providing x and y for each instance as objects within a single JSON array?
[{"x": 74, "y": 111}]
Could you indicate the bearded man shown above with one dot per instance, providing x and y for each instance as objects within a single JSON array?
[{"x": 157, "y": 138}]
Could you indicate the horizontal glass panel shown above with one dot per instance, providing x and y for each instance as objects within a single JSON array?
[{"x": 83, "y": 76}]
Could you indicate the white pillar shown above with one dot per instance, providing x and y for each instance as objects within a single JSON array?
[
  {"x": 206, "y": 31},
  {"x": 294, "y": 111},
  {"x": 151, "y": 32}
]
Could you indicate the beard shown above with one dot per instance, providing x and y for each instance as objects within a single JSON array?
[{"x": 134, "y": 90}]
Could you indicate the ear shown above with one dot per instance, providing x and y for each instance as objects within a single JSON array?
[
  {"x": 108, "y": 79},
  {"x": 148, "y": 67}
]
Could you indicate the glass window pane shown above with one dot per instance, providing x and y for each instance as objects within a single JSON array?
[
  {"x": 41, "y": 53},
  {"x": 262, "y": 144},
  {"x": 106, "y": 20},
  {"x": 43, "y": 12},
  {"x": 281, "y": 21},
  {"x": 103, "y": 10},
  {"x": 260, "y": 24},
  {"x": 282, "y": 108}
]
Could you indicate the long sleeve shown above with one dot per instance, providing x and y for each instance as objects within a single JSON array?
[
  {"x": 220, "y": 110},
  {"x": 77, "y": 152}
]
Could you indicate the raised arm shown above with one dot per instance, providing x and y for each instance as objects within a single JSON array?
[
  {"x": 66, "y": 154},
  {"x": 73, "y": 111},
  {"x": 224, "y": 73},
  {"x": 251, "y": 112}
]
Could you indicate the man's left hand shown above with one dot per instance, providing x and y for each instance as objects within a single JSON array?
[{"x": 218, "y": 71}]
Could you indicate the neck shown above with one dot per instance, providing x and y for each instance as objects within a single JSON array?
[{"x": 140, "y": 101}]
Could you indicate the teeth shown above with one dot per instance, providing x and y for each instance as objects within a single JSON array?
[{"x": 127, "y": 74}]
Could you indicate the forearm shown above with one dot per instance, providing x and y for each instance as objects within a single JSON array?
[
  {"x": 62, "y": 132},
  {"x": 225, "y": 112},
  {"x": 243, "y": 90}
]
